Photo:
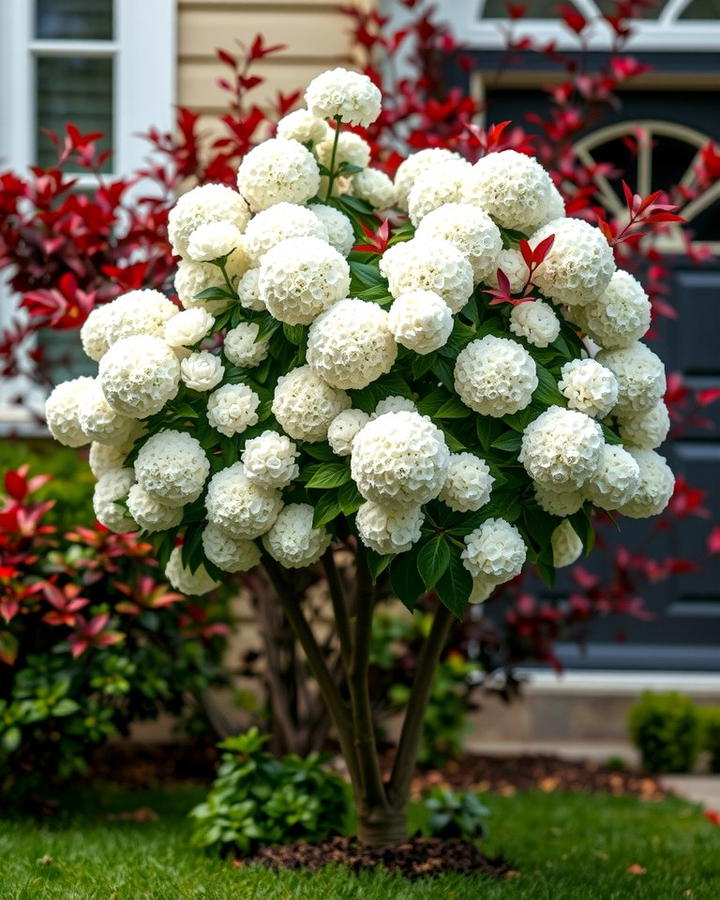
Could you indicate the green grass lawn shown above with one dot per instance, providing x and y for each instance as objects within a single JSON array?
[{"x": 565, "y": 847}]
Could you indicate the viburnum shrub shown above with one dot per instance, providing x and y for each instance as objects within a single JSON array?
[{"x": 445, "y": 401}]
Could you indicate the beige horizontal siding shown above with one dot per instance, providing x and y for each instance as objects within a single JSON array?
[{"x": 315, "y": 34}]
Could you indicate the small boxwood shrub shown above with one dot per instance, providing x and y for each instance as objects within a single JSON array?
[
  {"x": 666, "y": 730},
  {"x": 710, "y": 725},
  {"x": 453, "y": 814}
]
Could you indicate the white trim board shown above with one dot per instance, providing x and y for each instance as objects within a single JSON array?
[{"x": 625, "y": 683}]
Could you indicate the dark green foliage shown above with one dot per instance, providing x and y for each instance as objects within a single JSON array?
[
  {"x": 666, "y": 730},
  {"x": 453, "y": 814},
  {"x": 710, "y": 727},
  {"x": 257, "y": 800}
]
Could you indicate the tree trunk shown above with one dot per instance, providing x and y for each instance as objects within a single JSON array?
[{"x": 382, "y": 826}]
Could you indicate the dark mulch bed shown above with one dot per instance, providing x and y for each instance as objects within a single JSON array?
[
  {"x": 137, "y": 765},
  {"x": 419, "y": 857}
]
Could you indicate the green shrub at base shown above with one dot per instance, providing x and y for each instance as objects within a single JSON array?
[
  {"x": 257, "y": 800},
  {"x": 710, "y": 727},
  {"x": 666, "y": 730}
]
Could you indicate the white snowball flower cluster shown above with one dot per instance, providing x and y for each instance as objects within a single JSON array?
[
  {"x": 211, "y": 240},
  {"x": 514, "y": 267},
  {"x": 104, "y": 457},
  {"x": 431, "y": 265},
  {"x": 619, "y": 317},
  {"x": 640, "y": 375},
  {"x": 201, "y": 371},
  {"x": 564, "y": 502},
  {"x": 350, "y": 149},
  {"x": 172, "y": 467},
  {"x": 421, "y": 321},
  {"x": 302, "y": 126},
  {"x": 343, "y": 429},
  {"x": 340, "y": 93},
  {"x": 495, "y": 376},
  {"x": 242, "y": 348},
  {"x": 566, "y": 545},
  {"x": 411, "y": 168},
  {"x": 269, "y": 459},
  {"x": 494, "y": 551},
  {"x": 195, "y": 584},
  {"x": 616, "y": 481},
  {"x": 248, "y": 290},
  {"x": 278, "y": 223},
  {"x": 468, "y": 484},
  {"x": 277, "y": 170},
  {"x": 375, "y": 187},
  {"x": 98, "y": 421},
  {"x": 232, "y": 408},
  {"x": 471, "y": 230},
  {"x": 656, "y": 487},
  {"x": 646, "y": 430},
  {"x": 388, "y": 528},
  {"x": 111, "y": 491},
  {"x": 188, "y": 327},
  {"x": 305, "y": 405},
  {"x": 150, "y": 514},
  {"x": 139, "y": 375},
  {"x": 302, "y": 277},
  {"x": 239, "y": 506},
  {"x": 513, "y": 188},
  {"x": 201, "y": 205},
  {"x": 229, "y": 554},
  {"x": 579, "y": 265},
  {"x": 562, "y": 448},
  {"x": 192, "y": 278},
  {"x": 437, "y": 186},
  {"x": 339, "y": 228},
  {"x": 588, "y": 387},
  {"x": 393, "y": 404},
  {"x": 536, "y": 322},
  {"x": 350, "y": 345},
  {"x": 401, "y": 458},
  {"x": 292, "y": 541},
  {"x": 137, "y": 312}
]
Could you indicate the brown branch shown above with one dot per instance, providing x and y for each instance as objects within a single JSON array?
[{"x": 339, "y": 603}]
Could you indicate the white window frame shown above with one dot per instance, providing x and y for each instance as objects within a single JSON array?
[{"x": 144, "y": 54}]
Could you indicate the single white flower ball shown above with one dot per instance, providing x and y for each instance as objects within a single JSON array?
[
  {"x": 401, "y": 458},
  {"x": 566, "y": 545},
  {"x": 536, "y": 322},
  {"x": 389, "y": 528},
  {"x": 104, "y": 457},
  {"x": 301, "y": 278},
  {"x": 512, "y": 187},
  {"x": 269, "y": 459},
  {"x": 646, "y": 430},
  {"x": 562, "y": 448},
  {"x": 437, "y": 186},
  {"x": 657, "y": 484},
  {"x": 232, "y": 408},
  {"x": 349, "y": 96},
  {"x": 471, "y": 230},
  {"x": 579, "y": 265},
  {"x": 111, "y": 490},
  {"x": 351, "y": 149},
  {"x": 194, "y": 584},
  {"x": 410, "y": 168},
  {"x": 241, "y": 347},
  {"x": 150, "y": 514},
  {"x": 514, "y": 267},
  {"x": 494, "y": 550},
  {"x": 188, "y": 327},
  {"x": 343, "y": 429},
  {"x": 248, "y": 290},
  {"x": 305, "y": 405},
  {"x": 278, "y": 223},
  {"x": 172, "y": 467},
  {"x": 229, "y": 554},
  {"x": 62, "y": 410},
  {"x": 277, "y": 170},
  {"x": 339, "y": 228},
  {"x": 302, "y": 126},
  {"x": 293, "y": 541},
  {"x": 421, "y": 321},
  {"x": 139, "y": 375},
  {"x": 558, "y": 502},
  {"x": 430, "y": 265},
  {"x": 393, "y": 404},
  {"x": 616, "y": 481},
  {"x": 201, "y": 371},
  {"x": 589, "y": 387},
  {"x": 192, "y": 278},
  {"x": 137, "y": 312},
  {"x": 375, "y": 187},
  {"x": 619, "y": 317},
  {"x": 495, "y": 376},
  {"x": 468, "y": 484},
  {"x": 350, "y": 345},
  {"x": 203, "y": 204},
  {"x": 211, "y": 240},
  {"x": 240, "y": 507},
  {"x": 640, "y": 375},
  {"x": 99, "y": 421}
]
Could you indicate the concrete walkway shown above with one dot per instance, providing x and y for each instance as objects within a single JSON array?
[{"x": 704, "y": 789}]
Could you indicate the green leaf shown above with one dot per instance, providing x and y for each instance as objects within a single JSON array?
[
  {"x": 610, "y": 436},
  {"x": 377, "y": 564},
  {"x": 510, "y": 441},
  {"x": 326, "y": 508},
  {"x": 367, "y": 274},
  {"x": 346, "y": 168},
  {"x": 453, "y": 408},
  {"x": 520, "y": 420},
  {"x": 66, "y": 707},
  {"x": 191, "y": 554},
  {"x": 405, "y": 579},
  {"x": 320, "y": 450},
  {"x": 294, "y": 333},
  {"x": 267, "y": 326},
  {"x": 11, "y": 739},
  {"x": 327, "y": 475},
  {"x": 511, "y": 237},
  {"x": 455, "y": 586},
  {"x": 215, "y": 293},
  {"x": 547, "y": 391},
  {"x": 433, "y": 560},
  {"x": 9, "y": 645},
  {"x": 350, "y": 498},
  {"x": 356, "y": 205},
  {"x": 583, "y": 527}
]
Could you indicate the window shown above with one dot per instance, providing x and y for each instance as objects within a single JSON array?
[{"x": 107, "y": 65}]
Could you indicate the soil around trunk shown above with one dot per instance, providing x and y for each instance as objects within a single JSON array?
[{"x": 418, "y": 857}]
